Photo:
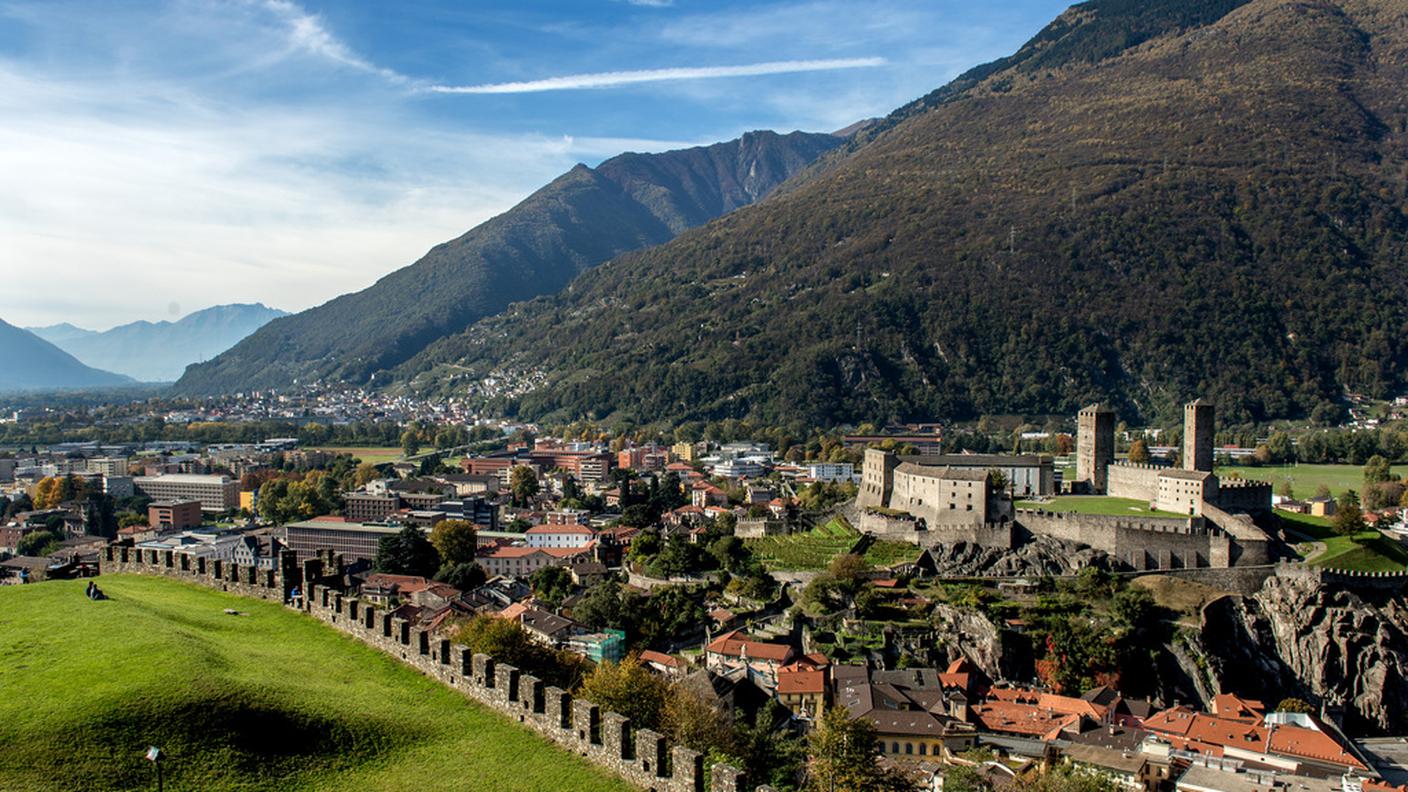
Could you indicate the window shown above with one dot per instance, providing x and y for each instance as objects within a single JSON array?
[
  {"x": 923, "y": 749},
  {"x": 894, "y": 747},
  {"x": 909, "y": 748}
]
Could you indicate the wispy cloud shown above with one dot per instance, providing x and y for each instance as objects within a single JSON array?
[
  {"x": 651, "y": 3},
  {"x": 308, "y": 34},
  {"x": 573, "y": 82}
]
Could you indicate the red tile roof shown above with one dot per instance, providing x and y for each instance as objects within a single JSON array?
[
  {"x": 1211, "y": 734},
  {"x": 731, "y": 645}
]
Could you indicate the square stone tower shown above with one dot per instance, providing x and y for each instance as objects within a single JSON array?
[
  {"x": 1199, "y": 419},
  {"x": 1095, "y": 445}
]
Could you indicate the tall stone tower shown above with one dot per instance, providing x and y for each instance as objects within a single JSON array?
[
  {"x": 1095, "y": 445},
  {"x": 1199, "y": 418}
]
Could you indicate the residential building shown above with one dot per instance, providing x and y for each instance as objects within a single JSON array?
[
  {"x": 762, "y": 659},
  {"x": 364, "y": 507},
  {"x": 559, "y": 535},
  {"x": 513, "y": 561},
  {"x": 119, "y": 487},
  {"x": 912, "y": 712},
  {"x": 174, "y": 515}
]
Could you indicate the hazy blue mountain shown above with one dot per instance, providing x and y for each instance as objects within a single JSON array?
[
  {"x": 160, "y": 351},
  {"x": 28, "y": 362},
  {"x": 579, "y": 220}
]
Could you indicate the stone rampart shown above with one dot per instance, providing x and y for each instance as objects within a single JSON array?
[
  {"x": 1144, "y": 543},
  {"x": 640, "y": 756},
  {"x": 1139, "y": 482}
]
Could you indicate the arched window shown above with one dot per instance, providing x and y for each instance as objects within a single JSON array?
[{"x": 909, "y": 748}]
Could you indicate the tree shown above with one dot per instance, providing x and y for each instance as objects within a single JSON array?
[
  {"x": 455, "y": 541},
  {"x": 606, "y": 606},
  {"x": 1292, "y": 704},
  {"x": 407, "y": 552},
  {"x": 629, "y": 688},
  {"x": 848, "y": 571},
  {"x": 410, "y": 441},
  {"x": 1377, "y": 471},
  {"x": 1139, "y": 452},
  {"x": 1322, "y": 491},
  {"x": 38, "y": 543},
  {"x": 1348, "y": 519},
  {"x": 366, "y": 472},
  {"x": 961, "y": 778},
  {"x": 523, "y": 485},
  {"x": 691, "y": 720},
  {"x": 998, "y": 479},
  {"x": 844, "y": 753},
  {"x": 551, "y": 585},
  {"x": 465, "y": 577},
  {"x": 506, "y": 641},
  {"x": 1285, "y": 489}
]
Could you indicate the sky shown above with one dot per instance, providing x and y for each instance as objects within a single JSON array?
[{"x": 161, "y": 157}]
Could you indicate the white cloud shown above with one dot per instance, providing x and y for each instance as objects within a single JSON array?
[
  {"x": 610, "y": 79},
  {"x": 308, "y": 34},
  {"x": 173, "y": 199}
]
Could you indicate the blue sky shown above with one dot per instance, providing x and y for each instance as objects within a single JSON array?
[{"x": 161, "y": 157}]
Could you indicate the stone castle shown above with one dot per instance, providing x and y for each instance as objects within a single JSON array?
[
  {"x": 640, "y": 756},
  {"x": 1209, "y": 523},
  {"x": 1189, "y": 489}
]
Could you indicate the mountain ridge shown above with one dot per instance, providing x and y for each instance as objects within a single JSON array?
[
  {"x": 581, "y": 218},
  {"x": 160, "y": 351},
  {"x": 1212, "y": 207},
  {"x": 28, "y": 362}
]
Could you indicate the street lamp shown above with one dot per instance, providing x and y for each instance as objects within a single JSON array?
[{"x": 154, "y": 756}]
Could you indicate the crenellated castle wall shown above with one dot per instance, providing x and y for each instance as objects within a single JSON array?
[{"x": 640, "y": 756}]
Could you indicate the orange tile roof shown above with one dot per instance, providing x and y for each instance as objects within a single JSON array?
[
  {"x": 1063, "y": 704},
  {"x": 791, "y": 679},
  {"x": 731, "y": 645},
  {"x": 1012, "y": 718},
  {"x": 1212, "y": 734},
  {"x": 652, "y": 656}
]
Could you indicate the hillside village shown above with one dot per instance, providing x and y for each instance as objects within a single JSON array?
[{"x": 769, "y": 591}]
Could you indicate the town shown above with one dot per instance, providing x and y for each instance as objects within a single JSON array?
[{"x": 988, "y": 616}]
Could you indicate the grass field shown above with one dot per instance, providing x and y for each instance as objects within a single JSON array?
[
  {"x": 374, "y": 455},
  {"x": 1306, "y": 479},
  {"x": 1097, "y": 504},
  {"x": 1369, "y": 551},
  {"x": 268, "y": 700},
  {"x": 814, "y": 549}
]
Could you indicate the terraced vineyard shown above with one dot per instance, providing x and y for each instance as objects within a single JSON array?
[{"x": 813, "y": 550}]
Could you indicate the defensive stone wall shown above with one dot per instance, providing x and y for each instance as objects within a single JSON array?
[
  {"x": 1145, "y": 543},
  {"x": 608, "y": 739},
  {"x": 1244, "y": 495},
  {"x": 905, "y": 528},
  {"x": 1140, "y": 482}
]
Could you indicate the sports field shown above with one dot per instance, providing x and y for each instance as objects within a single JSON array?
[
  {"x": 265, "y": 700},
  {"x": 373, "y": 454},
  {"x": 1306, "y": 479}
]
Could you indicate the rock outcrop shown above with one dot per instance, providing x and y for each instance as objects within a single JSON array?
[
  {"x": 1041, "y": 556},
  {"x": 1342, "y": 650}
]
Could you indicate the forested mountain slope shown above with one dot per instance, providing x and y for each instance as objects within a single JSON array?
[
  {"x": 581, "y": 219},
  {"x": 1147, "y": 202}
]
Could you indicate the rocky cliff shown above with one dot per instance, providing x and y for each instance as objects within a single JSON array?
[{"x": 1341, "y": 649}]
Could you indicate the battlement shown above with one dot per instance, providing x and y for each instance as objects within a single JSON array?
[
  {"x": 1142, "y": 466},
  {"x": 1241, "y": 482},
  {"x": 1187, "y": 526},
  {"x": 640, "y": 756}
]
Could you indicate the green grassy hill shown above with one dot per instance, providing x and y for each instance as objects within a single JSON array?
[{"x": 264, "y": 700}]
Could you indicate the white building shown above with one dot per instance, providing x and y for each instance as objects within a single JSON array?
[{"x": 572, "y": 535}]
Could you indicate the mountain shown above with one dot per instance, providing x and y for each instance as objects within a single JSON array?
[
  {"x": 581, "y": 219},
  {"x": 1150, "y": 200},
  {"x": 28, "y": 362},
  {"x": 61, "y": 333},
  {"x": 160, "y": 351}
]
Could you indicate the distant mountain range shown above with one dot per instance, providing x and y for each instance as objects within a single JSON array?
[
  {"x": 28, "y": 362},
  {"x": 582, "y": 218},
  {"x": 1151, "y": 200},
  {"x": 160, "y": 351}
]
